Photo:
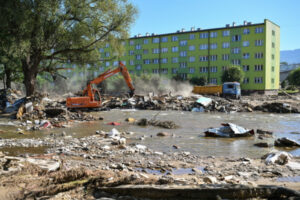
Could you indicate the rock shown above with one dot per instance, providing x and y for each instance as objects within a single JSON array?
[
  {"x": 163, "y": 134},
  {"x": 130, "y": 120},
  {"x": 260, "y": 131},
  {"x": 114, "y": 133},
  {"x": 286, "y": 142},
  {"x": 175, "y": 147},
  {"x": 158, "y": 153},
  {"x": 280, "y": 158},
  {"x": 143, "y": 122},
  {"x": 262, "y": 144},
  {"x": 122, "y": 141},
  {"x": 141, "y": 147},
  {"x": 97, "y": 132},
  {"x": 49, "y": 165},
  {"x": 210, "y": 180},
  {"x": 100, "y": 118}
]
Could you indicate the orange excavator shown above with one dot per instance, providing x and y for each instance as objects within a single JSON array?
[{"x": 91, "y": 97}]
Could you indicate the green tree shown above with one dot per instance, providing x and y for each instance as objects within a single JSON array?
[
  {"x": 294, "y": 77},
  {"x": 233, "y": 74},
  {"x": 65, "y": 31},
  {"x": 198, "y": 80}
]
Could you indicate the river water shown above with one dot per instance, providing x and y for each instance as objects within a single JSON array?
[{"x": 189, "y": 136}]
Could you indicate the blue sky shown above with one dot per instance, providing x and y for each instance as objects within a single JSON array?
[{"x": 166, "y": 16}]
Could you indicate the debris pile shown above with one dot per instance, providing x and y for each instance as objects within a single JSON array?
[
  {"x": 229, "y": 130},
  {"x": 162, "y": 124}
]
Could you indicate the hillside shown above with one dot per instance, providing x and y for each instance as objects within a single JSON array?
[{"x": 290, "y": 56}]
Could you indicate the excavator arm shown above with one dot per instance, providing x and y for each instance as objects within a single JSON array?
[{"x": 122, "y": 68}]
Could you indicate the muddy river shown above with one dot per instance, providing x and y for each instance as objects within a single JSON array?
[{"x": 188, "y": 137}]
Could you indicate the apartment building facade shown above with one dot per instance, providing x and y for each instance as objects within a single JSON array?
[{"x": 207, "y": 53}]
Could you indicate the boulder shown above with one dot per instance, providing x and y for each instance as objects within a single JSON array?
[
  {"x": 163, "y": 134},
  {"x": 286, "y": 142},
  {"x": 280, "y": 158}
]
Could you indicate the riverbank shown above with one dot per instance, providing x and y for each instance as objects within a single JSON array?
[{"x": 77, "y": 168}]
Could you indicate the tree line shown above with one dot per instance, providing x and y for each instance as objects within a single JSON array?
[{"x": 37, "y": 36}]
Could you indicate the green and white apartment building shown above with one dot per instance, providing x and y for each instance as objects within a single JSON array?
[{"x": 207, "y": 53}]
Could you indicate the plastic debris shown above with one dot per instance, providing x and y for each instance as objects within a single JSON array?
[{"x": 204, "y": 101}]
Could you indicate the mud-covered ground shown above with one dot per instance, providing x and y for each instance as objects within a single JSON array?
[{"x": 77, "y": 168}]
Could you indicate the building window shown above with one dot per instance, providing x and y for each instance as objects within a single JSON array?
[
  {"x": 101, "y": 69},
  {"x": 175, "y": 60},
  {"x": 192, "y": 59},
  {"x": 107, "y": 63},
  {"x": 101, "y": 50},
  {"x": 155, "y": 71},
  {"x": 213, "y": 69},
  {"x": 246, "y": 43},
  {"x": 106, "y": 45},
  {"x": 225, "y": 45},
  {"x": 192, "y": 36},
  {"x": 246, "y": 55},
  {"x": 259, "y": 55},
  {"x": 214, "y": 57},
  {"x": 272, "y": 80},
  {"x": 236, "y": 38},
  {"x": 146, "y": 41},
  {"x": 138, "y": 67},
  {"x": 213, "y": 34},
  {"x": 138, "y": 57},
  {"x": 156, "y": 50},
  {"x": 203, "y": 46},
  {"x": 225, "y": 57},
  {"x": 131, "y": 42},
  {"x": 164, "y": 50},
  {"x": 192, "y": 47},
  {"x": 155, "y": 40},
  {"x": 203, "y": 35},
  {"x": 273, "y": 32},
  {"x": 106, "y": 54},
  {"x": 147, "y": 61},
  {"x": 203, "y": 69},
  {"x": 273, "y": 45},
  {"x": 236, "y": 50},
  {"x": 213, "y": 81},
  {"x": 115, "y": 63},
  {"x": 258, "y": 80},
  {"x": 273, "y": 68},
  {"x": 164, "y": 60},
  {"x": 164, "y": 39},
  {"x": 236, "y": 61},
  {"x": 226, "y": 33},
  {"x": 246, "y": 31},
  {"x": 213, "y": 45},
  {"x": 155, "y": 61},
  {"x": 174, "y": 38},
  {"x": 259, "y": 30},
  {"x": 259, "y": 42},
  {"x": 183, "y": 65},
  {"x": 183, "y": 43},
  {"x": 182, "y": 53},
  {"x": 273, "y": 56},
  {"x": 131, "y": 62},
  {"x": 203, "y": 58},
  {"x": 191, "y": 70},
  {"x": 164, "y": 70},
  {"x": 258, "y": 67},
  {"x": 138, "y": 46},
  {"x": 224, "y": 68},
  {"x": 246, "y": 80},
  {"x": 246, "y": 68},
  {"x": 145, "y": 51},
  {"x": 174, "y": 49},
  {"x": 131, "y": 52},
  {"x": 174, "y": 70}
]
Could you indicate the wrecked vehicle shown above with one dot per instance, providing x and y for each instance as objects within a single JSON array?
[{"x": 229, "y": 130}]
